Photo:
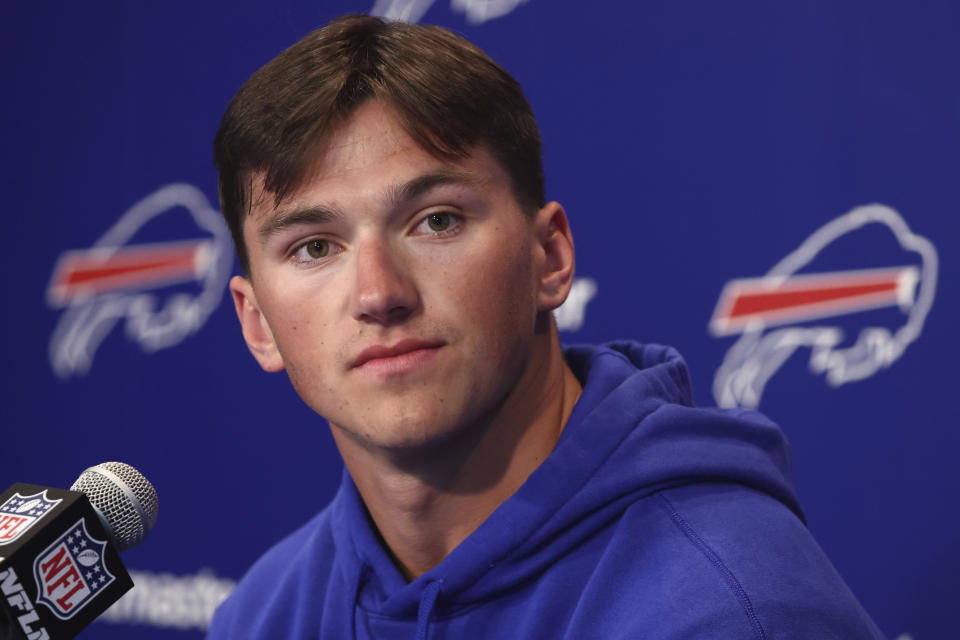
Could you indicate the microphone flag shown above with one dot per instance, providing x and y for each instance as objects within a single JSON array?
[{"x": 58, "y": 568}]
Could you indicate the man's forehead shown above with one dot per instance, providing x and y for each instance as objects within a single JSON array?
[
  {"x": 307, "y": 211},
  {"x": 371, "y": 139},
  {"x": 470, "y": 173},
  {"x": 264, "y": 203}
]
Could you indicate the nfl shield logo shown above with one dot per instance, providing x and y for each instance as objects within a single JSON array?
[
  {"x": 19, "y": 513},
  {"x": 71, "y": 571}
]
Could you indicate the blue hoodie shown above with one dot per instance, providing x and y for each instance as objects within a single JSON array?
[{"x": 650, "y": 519}]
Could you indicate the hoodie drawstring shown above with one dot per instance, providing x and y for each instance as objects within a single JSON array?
[
  {"x": 361, "y": 579},
  {"x": 427, "y": 599}
]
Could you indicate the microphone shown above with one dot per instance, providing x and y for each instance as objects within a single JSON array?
[{"x": 59, "y": 549}]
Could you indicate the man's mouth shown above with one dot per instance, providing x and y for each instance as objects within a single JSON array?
[{"x": 398, "y": 357}]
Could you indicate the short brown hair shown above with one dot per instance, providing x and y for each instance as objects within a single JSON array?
[{"x": 448, "y": 94}]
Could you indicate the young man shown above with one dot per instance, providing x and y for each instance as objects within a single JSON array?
[{"x": 384, "y": 187}]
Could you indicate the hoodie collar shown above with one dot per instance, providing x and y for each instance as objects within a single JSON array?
[{"x": 631, "y": 433}]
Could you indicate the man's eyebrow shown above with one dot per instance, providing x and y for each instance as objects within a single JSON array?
[
  {"x": 295, "y": 217},
  {"x": 410, "y": 190},
  {"x": 420, "y": 185}
]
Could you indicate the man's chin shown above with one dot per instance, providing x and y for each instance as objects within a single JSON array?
[
  {"x": 412, "y": 438},
  {"x": 397, "y": 430}
]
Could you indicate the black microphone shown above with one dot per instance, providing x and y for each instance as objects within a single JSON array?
[{"x": 59, "y": 561}]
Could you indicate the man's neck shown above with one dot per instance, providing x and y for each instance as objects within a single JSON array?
[{"x": 426, "y": 502}]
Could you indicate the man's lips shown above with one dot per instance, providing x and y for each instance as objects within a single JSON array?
[{"x": 382, "y": 352}]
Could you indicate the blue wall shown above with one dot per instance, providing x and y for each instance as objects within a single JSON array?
[{"x": 693, "y": 143}]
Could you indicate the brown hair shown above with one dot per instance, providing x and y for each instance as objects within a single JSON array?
[{"x": 448, "y": 94}]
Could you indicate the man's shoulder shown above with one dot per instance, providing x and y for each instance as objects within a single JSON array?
[
  {"x": 273, "y": 592},
  {"x": 735, "y": 559}
]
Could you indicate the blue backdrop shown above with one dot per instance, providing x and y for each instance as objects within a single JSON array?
[{"x": 770, "y": 187}]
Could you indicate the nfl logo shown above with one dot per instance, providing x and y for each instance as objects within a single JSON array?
[
  {"x": 71, "y": 571},
  {"x": 19, "y": 513}
]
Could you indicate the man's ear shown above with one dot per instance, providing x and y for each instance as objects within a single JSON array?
[
  {"x": 555, "y": 257},
  {"x": 254, "y": 325}
]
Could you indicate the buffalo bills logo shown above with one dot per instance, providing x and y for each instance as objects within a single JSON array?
[
  {"x": 71, "y": 571},
  {"x": 476, "y": 11},
  {"x": 19, "y": 513},
  {"x": 123, "y": 276},
  {"x": 784, "y": 310}
]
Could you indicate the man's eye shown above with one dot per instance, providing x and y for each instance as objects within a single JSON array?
[
  {"x": 317, "y": 248},
  {"x": 439, "y": 221},
  {"x": 313, "y": 250}
]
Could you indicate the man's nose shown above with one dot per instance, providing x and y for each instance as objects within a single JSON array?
[{"x": 385, "y": 292}]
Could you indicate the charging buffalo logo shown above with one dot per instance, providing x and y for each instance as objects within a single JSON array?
[
  {"x": 477, "y": 11},
  {"x": 19, "y": 513},
  {"x": 71, "y": 571},
  {"x": 782, "y": 311},
  {"x": 119, "y": 279}
]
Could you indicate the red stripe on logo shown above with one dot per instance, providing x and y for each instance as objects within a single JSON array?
[
  {"x": 751, "y": 303},
  {"x": 768, "y": 301},
  {"x": 86, "y": 269},
  {"x": 84, "y": 273}
]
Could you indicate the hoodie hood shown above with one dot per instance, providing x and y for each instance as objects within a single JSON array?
[{"x": 632, "y": 433}]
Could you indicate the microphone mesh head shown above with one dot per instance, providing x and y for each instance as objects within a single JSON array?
[{"x": 124, "y": 499}]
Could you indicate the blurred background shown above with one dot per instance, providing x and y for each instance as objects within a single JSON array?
[{"x": 770, "y": 187}]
